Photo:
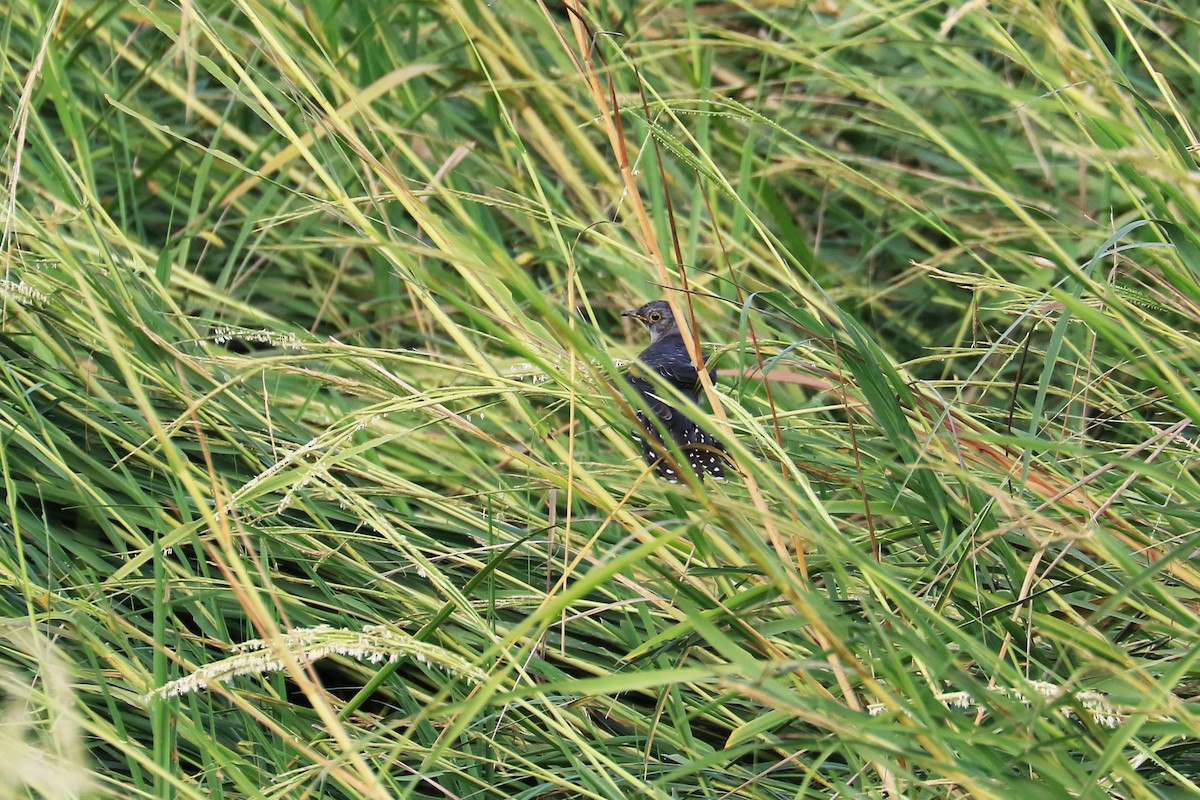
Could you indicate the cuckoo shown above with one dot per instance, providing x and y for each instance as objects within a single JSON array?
[{"x": 668, "y": 356}]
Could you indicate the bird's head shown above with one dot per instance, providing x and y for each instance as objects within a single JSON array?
[{"x": 657, "y": 317}]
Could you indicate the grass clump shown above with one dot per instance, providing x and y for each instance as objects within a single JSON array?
[{"x": 316, "y": 460}]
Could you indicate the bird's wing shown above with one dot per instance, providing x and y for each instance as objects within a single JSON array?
[
  {"x": 671, "y": 360},
  {"x": 656, "y": 404}
]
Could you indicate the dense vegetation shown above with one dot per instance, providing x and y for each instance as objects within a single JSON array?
[{"x": 317, "y": 474}]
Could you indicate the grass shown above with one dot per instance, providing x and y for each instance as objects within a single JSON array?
[{"x": 316, "y": 467}]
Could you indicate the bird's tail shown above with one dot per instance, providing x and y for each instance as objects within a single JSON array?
[{"x": 704, "y": 452}]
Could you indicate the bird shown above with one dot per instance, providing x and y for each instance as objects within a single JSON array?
[{"x": 668, "y": 357}]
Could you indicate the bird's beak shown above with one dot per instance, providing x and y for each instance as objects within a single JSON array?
[{"x": 633, "y": 312}]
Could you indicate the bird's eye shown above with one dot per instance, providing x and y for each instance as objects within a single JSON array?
[{"x": 654, "y": 316}]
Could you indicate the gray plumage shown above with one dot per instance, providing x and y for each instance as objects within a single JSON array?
[{"x": 668, "y": 356}]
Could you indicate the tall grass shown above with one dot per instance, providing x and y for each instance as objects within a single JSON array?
[{"x": 315, "y": 455}]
